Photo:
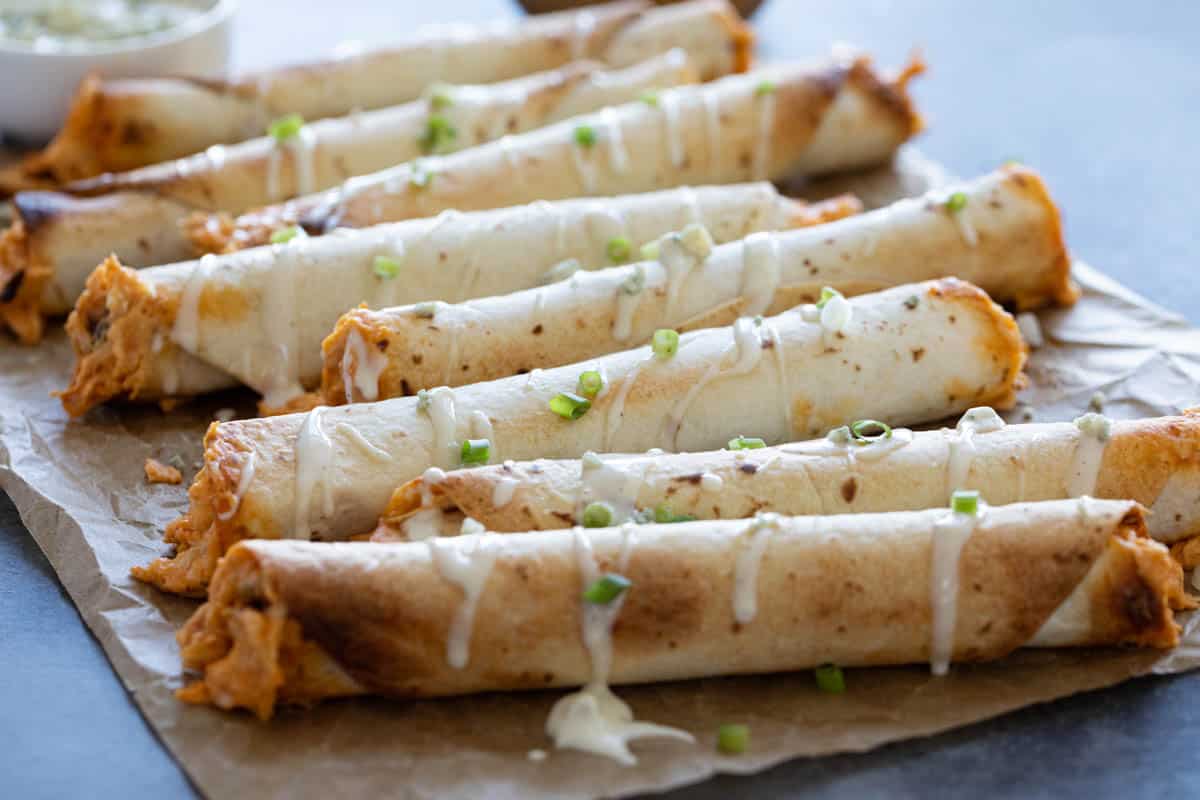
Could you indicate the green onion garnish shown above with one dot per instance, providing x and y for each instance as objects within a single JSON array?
[
  {"x": 746, "y": 443},
  {"x": 476, "y": 451},
  {"x": 912, "y": 302},
  {"x": 569, "y": 406},
  {"x": 585, "y": 135},
  {"x": 663, "y": 515},
  {"x": 590, "y": 383},
  {"x": 562, "y": 270},
  {"x": 618, "y": 249},
  {"x": 439, "y": 134},
  {"x": 285, "y": 235},
  {"x": 830, "y": 679},
  {"x": 424, "y": 400},
  {"x": 650, "y": 250},
  {"x": 866, "y": 431},
  {"x": 635, "y": 282},
  {"x": 764, "y": 88},
  {"x": 956, "y": 202},
  {"x": 965, "y": 502},
  {"x": 827, "y": 294},
  {"x": 606, "y": 588},
  {"x": 649, "y": 97},
  {"x": 665, "y": 342},
  {"x": 597, "y": 515},
  {"x": 426, "y": 309},
  {"x": 386, "y": 267},
  {"x": 286, "y": 127},
  {"x": 733, "y": 739}
]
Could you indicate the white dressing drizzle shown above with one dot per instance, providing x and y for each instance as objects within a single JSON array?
[
  {"x": 426, "y": 522},
  {"x": 629, "y": 296},
  {"x": 749, "y": 559},
  {"x": 445, "y": 425},
  {"x": 314, "y": 458},
  {"x": 980, "y": 419},
  {"x": 365, "y": 447},
  {"x": 585, "y": 166},
  {"x": 950, "y": 534},
  {"x": 1094, "y": 433},
  {"x": 712, "y": 121},
  {"x": 617, "y": 155},
  {"x": 466, "y": 562},
  {"x": 502, "y": 493},
  {"x": 748, "y": 347},
  {"x": 760, "y": 272},
  {"x": 186, "y": 330},
  {"x": 606, "y": 482},
  {"x": 766, "y": 123},
  {"x": 616, "y": 412},
  {"x": 585, "y": 24},
  {"x": 244, "y": 479},
  {"x": 594, "y": 719},
  {"x": 668, "y": 101},
  {"x": 771, "y": 333},
  {"x": 368, "y": 364},
  {"x": 711, "y": 482}
]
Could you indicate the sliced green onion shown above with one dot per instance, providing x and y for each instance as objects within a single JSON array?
[
  {"x": 965, "y": 502},
  {"x": 665, "y": 342},
  {"x": 663, "y": 515},
  {"x": 426, "y": 309},
  {"x": 764, "y": 88},
  {"x": 424, "y": 400},
  {"x": 650, "y": 250},
  {"x": 866, "y": 431},
  {"x": 618, "y": 249},
  {"x": 585, "y": 135},
  {"x": 386, "y": 267},
  {"x": 956, "y": 202},
  {"x": 912, "y": 302},
  {"x": 827, "y": 294},
  {"x": 285, "y": 235},
  {"x": 562, "y": 270},
  {"x": 597, "y": 515},
  {"x": 569, "y": 406},
  {"x": 649, "y": 97},
  {"x": 759, "y": 319},
  {"x": 830, "y": 679},
  {"x": 285, "y": 127},
  {"x": 733, "y": 739},
  {"x": 439, "y": 134},
  {"x": 590, "y": 383},
  {"x": 746, "y": 443},
  {"x": 476, "y": 451},
  {"x": 606, "y": 588}
]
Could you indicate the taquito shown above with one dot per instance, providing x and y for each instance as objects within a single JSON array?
[
  {"x": 328, "y": 474},
  {"x": 1006, "y": 238},
  {"x": 1153, "y": 461},
  {"x": 57, "y": 239},
  {"x": 119, "y": 125},
  {"x": 298, "y": 622},
  {"x": 787, "y": 120},
  {"x": 258, "y": 316}
]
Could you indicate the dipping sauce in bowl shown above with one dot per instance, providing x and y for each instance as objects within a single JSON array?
[{"x": 76, "y": 24}]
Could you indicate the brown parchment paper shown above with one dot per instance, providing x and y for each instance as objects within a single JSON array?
[{"x": 81, "y": 492}]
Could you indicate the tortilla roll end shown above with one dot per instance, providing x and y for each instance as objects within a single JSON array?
[
  {"x": 1061, "y": 291},
  {"x": 20, "y": 285},
  {"x": 280, "y": 616},
  {"x": 203, "y": 535},
  {"x": 108, "y": 330}
]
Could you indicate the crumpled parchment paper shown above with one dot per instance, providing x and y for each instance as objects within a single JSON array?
[{"x": 80, "y": 489}]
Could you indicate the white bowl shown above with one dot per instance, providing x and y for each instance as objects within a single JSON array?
[{"x": 36, "y": 86}]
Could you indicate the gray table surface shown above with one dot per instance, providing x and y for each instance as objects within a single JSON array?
[{"x": 1102, "y": 97}]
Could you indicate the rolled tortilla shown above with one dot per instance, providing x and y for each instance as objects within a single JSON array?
[
  {"x": 115, "y": 126},
  {"x": 57, "y": 239},
  {"x": 328, "y": 474},
  {"x": 298, "y": 622},
  {"x": 788, "y": 120},
  {"x": 1153, "y": 461},
  {"x": 1007, "y": 239},
  {"x": 258, "y": 316}
]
